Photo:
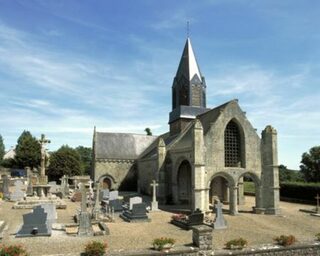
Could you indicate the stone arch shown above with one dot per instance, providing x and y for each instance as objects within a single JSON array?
[
  {"x": 107, "y": 181},
  {"x": 257, "y": 183},
  {"x": 184, "y": 183},
  {"x": 234, "y": 144},
  {"x": 225, "y": 183}
]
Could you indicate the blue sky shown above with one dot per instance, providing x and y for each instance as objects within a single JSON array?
[{"x": 66, "y": 66}]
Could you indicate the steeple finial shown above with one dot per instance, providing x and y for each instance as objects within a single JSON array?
[{"x": 188, "y": 29}]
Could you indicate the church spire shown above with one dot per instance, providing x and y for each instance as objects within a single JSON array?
[
  {"x": 188, "y": 90},
  {"x": 188, "y": 66}
]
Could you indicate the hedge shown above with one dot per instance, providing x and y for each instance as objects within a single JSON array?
[{"x": 300, "y": 191}]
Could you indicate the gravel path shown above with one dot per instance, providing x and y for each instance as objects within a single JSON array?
[{"x": 257, "y": 229}]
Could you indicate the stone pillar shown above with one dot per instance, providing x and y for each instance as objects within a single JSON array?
[
  {"x": 233, "y": 200},
  {"x": 258, "y": 209},
  {"x": 202, "y": 237},
  {"x": 270, "y": 171},
  {"x": 241, "y": 198},
  {"x": 200, "y": 190},
  {"x": 175, "y": 198}
]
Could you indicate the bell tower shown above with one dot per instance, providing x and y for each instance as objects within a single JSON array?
[{"x": 188, "y": 91}]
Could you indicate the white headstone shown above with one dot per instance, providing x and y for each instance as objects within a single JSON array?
[
  {"x": 113, "y": 195},
  {"x": 54, "y": 187},
  {"x": 134, "y": 200},
  {"x": 50, "y": 209}
]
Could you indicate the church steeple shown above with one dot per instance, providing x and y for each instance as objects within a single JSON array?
[
  {"x": 188, "y": 89},
  {"x": 188, "y": 86}
]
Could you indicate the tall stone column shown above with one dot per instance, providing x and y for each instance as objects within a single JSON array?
[
  {"x": 161, "y": 192},
  {"x": 270, "y": 171},
  {"x": 200, "y": 190},
  {"x": 233, "y": 200},
  {"x": 241, "y": 197}
]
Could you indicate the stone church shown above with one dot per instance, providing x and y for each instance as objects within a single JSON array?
[{"x": 206, "y": 153}]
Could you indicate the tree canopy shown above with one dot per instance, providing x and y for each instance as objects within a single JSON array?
[
  {"x": 65, "y": 161},
  {"x": 85, "y": 159},
  {"x": 310, "y": 164},
  {"x": 2, "y": 149},
  {"x": 148, "y": 131},
  {"x": 286, "y": 174},
  {"x": 28, "y": 152}
]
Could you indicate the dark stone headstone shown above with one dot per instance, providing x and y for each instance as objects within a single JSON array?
[
  {"x": 116, "y": 205},
  {"x": 194, "y": 219},
  {"x": 137, "y": 214},
  {"x": 35, "y": 224}
]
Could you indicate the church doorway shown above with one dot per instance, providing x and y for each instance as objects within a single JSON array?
[
  {"x": 106, "y": 183},
  {"x": 184, "y": 183}
]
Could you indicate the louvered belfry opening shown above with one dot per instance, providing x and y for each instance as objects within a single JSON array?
[{"x": 232, "y": 145}]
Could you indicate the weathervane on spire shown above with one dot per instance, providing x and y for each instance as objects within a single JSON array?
[{"x": 188, "y": 29}]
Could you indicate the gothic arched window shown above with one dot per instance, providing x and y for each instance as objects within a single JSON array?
[{"x": 232, "y": 146}]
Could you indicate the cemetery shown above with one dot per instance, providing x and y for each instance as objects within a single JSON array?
[{"x": 149, "y": 155}]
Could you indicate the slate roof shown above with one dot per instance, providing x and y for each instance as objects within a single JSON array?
[
  {"x": 188, "y": 66},
  {"x": 121, "y": 145}
]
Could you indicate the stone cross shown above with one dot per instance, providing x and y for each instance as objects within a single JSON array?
[
  {"x": 83, "y": 197},
  {"x": 154, "y": 203},
  {"x": 318, "y": 198},
  {"x": 96, "y": 209},
  {"x": 43, "y": 141}
]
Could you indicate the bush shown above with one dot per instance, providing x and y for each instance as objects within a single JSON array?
[
  {"x": 318, "y": 236},
  {"x": 95, "y": 248},
  {"x": 12, "y": 250},
  {"x": 300, "y": 190},
  {"x": 239, "y": 243},
  {"x": 159, "y": 243},
  {"x": 285, "y": 240}
]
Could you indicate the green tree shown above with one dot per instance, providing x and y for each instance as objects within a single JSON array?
[
  {"x": 2, "y": 149},
  {"x": 310, "y": 164},
  {"x": 148, "y": 131},
  {"x": 85, "y": 158},
  {"x": 65, "y": 161},
  {"x": 27, "y": 151},
  {"x": 286, "y": 174}
]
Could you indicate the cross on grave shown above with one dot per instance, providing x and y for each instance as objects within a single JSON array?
[
  {"x": 43, "y": 141},
  {"x": 154, "y": 203},
  {"x": 317, "y": 198}
]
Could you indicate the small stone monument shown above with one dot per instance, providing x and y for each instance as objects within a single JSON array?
[
  {"x": 5, "y": 186},
  {"x": 64, "y": 186},
  {"x": 97, "y": 207},
  {"x": 137, "y": 214},
  {"x": 51, "y": 211},
  {"x": 29, "y": 186},
  {"x": 35, "y": 224},
  {"x": 85, "y": 228},
  {"x": 219, "y": 221},
  {"x": 18, "y": 194},
  {"x": 154, "y": 203}
]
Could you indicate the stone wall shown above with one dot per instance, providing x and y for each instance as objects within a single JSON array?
[{"x": 302, "y": 250}]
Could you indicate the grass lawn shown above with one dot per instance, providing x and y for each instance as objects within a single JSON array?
[{"x": 249, "y": 187}]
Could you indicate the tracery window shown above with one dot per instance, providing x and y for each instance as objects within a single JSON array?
[{"x": 232, "y": 145}]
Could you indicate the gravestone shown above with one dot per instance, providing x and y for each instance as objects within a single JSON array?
[
  {"x": 85, "y": 227},
  {"x": 116, "y": 205},
  {"x": 137, "y": 214},
  {"x": 18, "y": 194},
  {"x": 154, "y": 203},
  {"x": 76, "y": 197},
  {"x": 54, "y": 187},
  {"x": 35, "y": 224},
  {"x": 29, "y": 191},
  {"x": 105, "y": 193},
  {"x": 64, "y": 187},
  {"x": 194, "y": 219},
  {"x": 50, "y": 209},
  {"x": 134, "y": 200},
  {"x": 5, "y": 186},
  {"x": 219, "y": 221},
  {"x": 113, "y": 195}
]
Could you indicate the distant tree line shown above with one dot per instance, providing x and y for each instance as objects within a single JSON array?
[{"x": 66, "y": 160}]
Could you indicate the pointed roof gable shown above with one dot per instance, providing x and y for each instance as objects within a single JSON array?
[{"x": 188, "y": 66}]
